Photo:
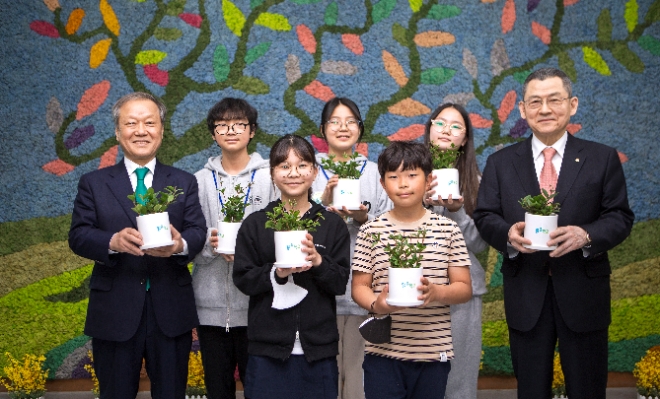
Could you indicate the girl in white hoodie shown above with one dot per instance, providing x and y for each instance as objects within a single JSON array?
[
  {"x": 342, "y": 128},
  {"x": 221, "y": 307}
]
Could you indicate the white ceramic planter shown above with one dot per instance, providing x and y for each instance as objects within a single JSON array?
[
  {"x": 288, "y": 248},
  {"x": 447, "y": 180},
  {"x": 227, "y": 233},
  {"x": 538, "y": 229},
  {"x": 403, "y": 284},
  {"x": 155, "y": 230},
  {"x": 346, "y": 193},
  {"x": 646, "y": 397}
]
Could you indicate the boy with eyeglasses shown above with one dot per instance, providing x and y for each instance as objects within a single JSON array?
[{"x": 221, "y": 307}]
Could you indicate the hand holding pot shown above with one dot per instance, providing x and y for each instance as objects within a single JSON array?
[
  {"x": 312, "y": 254},
  {"x": 567, "y": 239},
  {"x": 285, "y": 272},
  {"x": 169, "y": 250},
  {"x": 127, "y": 240},
  {"x": 214, "y": 241},
  {"x": 326, "y": 198},
  {"x": 517, "y": 240},
  {"x": 359, "y": 216},
  {"x": 381, "y": 306}
]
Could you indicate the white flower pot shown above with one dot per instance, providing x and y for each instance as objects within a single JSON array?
[
  {"x": 346, "y": 193},
  {"x": 195, "y": 397},
  {"x": 447, "y": 180},
  {"x": 227, "y": 233},
  {"x": 288, "y": 249},
  {"x": 155, "y": 230},
  {"x": 538, "y": 229},
  {"x": 403, "y": 284},
  {"x": 646, "y": 397}
]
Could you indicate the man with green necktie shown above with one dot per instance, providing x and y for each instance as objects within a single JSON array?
[{"x": 141, "y": 303}]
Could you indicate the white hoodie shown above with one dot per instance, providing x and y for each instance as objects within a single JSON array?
[{"x": 218, "y": 301}]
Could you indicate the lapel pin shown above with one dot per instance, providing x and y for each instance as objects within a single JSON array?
[{"x": 577, "y": 159}]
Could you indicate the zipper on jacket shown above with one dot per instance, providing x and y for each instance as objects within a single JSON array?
[{"x": 227, "y": 297}]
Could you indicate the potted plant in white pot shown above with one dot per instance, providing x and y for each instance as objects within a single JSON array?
[
  {"x": 153, "y": 222},
  {"x": 233, "y": 211},
  {"x": 290, "y": 230},
  {"x": 405, "y": 270},
  {"x": 446, "y": 175},
  {"x": 347, "y": 191},
  {"x": 540, "y": 219}
]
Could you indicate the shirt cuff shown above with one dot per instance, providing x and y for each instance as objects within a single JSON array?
[{"x": 511, "y": 251}]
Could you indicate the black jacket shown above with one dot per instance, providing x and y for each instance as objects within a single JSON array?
[{"x": 272, "y": 332}]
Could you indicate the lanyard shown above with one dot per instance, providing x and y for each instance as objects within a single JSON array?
[
  {"x": 247, "y": 196},
  {"x": 328, "y": 178}
]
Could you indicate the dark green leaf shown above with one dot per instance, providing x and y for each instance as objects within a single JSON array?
[
  {"x": 650, "y": 44},
  {"x": 305, "y": 1},
  {"x": 331, "y": 13},
  {"x": 399, "y": 34},
  {"x": 439, "y": 11},
  {"x": 382, "y": 10},
  {"x": 604, "y": 22},
  {"x": 256, "y": 52},
  {"x": 653, "y": 15},
  {"x": 627, "y": 58},
  {"x": 220, "y": 63},
  {"x": 167, "y": 34},
  {"x": 567, "y": 65},
  {"x": 255, "y": 3},
  {"x": 521, "y": 76},
  {"x": 175, "y": 7},
  {"x": 251, "y": 85},
  {"x": 437, "y": 76}
]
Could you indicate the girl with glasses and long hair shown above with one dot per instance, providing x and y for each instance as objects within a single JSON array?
[{"x": 450, "y": 124}]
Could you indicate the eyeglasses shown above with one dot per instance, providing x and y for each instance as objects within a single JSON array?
[
  {"x": 223, "y": 128},
  {"x": 285, "y": 169},
  {"x": 335, "y": 124},
  {"x": 553, "y": 102},
  {"x": 456, "y": 129}
]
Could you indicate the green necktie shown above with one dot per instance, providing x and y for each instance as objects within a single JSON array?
[{"x": 141, "y": 189}]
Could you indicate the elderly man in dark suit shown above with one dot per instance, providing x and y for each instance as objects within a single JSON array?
[
  {"x": 560, "y": 295},
  {"x": 141, "y": 302}
]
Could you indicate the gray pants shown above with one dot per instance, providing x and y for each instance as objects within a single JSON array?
[
  {"x": 351, "y": 355},
  {"x": 466, "y": 337}
]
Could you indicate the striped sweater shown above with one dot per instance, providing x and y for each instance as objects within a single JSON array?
[{"x": 418, "y": 334}]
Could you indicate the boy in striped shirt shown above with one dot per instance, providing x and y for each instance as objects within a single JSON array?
[{"x": 416, "y": 361}]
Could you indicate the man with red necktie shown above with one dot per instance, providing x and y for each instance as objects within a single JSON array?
[{"x": 560, "y": 296}]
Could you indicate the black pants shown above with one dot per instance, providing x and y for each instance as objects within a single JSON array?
[
  {"x": 221, "y": 352},
  {"x": 583, "y": 356},
  {"x": 118, "y": 364}
]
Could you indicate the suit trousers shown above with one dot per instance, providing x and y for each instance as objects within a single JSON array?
[
  {"x": 118, "y": 364},
  {"x": 583, "y": 356},
  {"x": 349, "y": 359},
  {"x": 222, "y": 350}
]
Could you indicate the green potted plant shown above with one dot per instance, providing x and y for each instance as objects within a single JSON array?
[
  {"x": 540, "y": 218},
  {"x": 347, "y": 191},
  {"x": 25, "y": 379},
  {"x": 647, "y": 373},
  {"x": 290, "y": 230},
  {"x": 153, "y": 222},
  {"x": 445, "y": 172},
  {"x": 232, "y": 211},
  {"x": 405, "y": 270}
]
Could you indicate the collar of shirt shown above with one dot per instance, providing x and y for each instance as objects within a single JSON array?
[
  {"x": 537, "y": 153},
  {"x": 131, "y": 166}
]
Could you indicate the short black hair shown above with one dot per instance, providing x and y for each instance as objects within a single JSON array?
[
  {"x": 329, "y": 108},
  {"x": 232, "y": 108},
  {"x": 410, "y": 154},
  {"x": 548, "y": 73}
]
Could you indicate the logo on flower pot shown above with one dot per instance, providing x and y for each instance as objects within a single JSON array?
[
  {"x": 407, "y": 284},
  {"x": 346, "y": 192},
  {"x": 541, "y": 230},
  {"x": 162, "y": 227},
  {"x": 291, "y": 246},
  {"x": 452, "y": 183}
]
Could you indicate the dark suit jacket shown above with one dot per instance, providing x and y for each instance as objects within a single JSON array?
[
  {"x": 117, "y": 286},
  {"x": 592, "y": 193}
]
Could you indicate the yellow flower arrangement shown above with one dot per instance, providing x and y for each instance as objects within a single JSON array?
[
  {"x": 26, "y": 380},
  {"x": 195, "y": 375},
  {"x": 558, "y": 384},
  {"x": 647, "y": 372},
  {"x": 90, "y": 369}
]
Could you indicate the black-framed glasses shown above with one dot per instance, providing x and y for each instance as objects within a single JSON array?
[
  {"x": 335, "y": 124},
  {"x": 439, "y": 125},
  {"x": 553, "y": 102},
  {"x": 223, "y": 128}
]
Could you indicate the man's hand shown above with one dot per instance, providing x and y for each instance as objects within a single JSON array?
[
  {"x": 167, "y": 251},
  {"x": 567, "y": 239},
  {"x": 517, "y": 240},
  {"x": 128, "y": 241}
]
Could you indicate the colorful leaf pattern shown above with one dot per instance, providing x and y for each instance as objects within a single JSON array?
[
  {"x": 98, "y": 52},
  {"x": 109, "y": 17},
  {"x": 233, "y": 16},
  {"x": 75, "y": 20},
  {"x": 92, "y": 99}
]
